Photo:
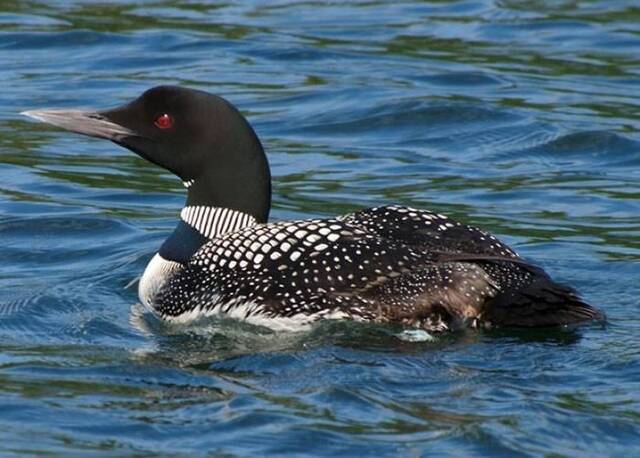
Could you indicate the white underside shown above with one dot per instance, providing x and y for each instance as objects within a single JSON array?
[{"x": 239, "y": 311}]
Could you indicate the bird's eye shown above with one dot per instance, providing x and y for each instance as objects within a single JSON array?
[{"x": 164, "y": 121}]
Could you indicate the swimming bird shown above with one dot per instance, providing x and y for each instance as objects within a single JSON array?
[{"x": 384, "y": 264}]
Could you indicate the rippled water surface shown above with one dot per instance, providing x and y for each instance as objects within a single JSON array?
[{"x": 518, "y": 116}]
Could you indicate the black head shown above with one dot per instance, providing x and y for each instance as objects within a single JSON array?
[{"x": 199, "y": 137}]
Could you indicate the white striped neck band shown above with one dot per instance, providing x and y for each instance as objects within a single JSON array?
[{"x": 215, "y": 221}]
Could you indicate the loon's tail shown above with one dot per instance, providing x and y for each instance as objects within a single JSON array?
[{"x": 542, "y": 302}]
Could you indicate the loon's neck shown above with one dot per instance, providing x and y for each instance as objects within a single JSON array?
[
  {"x": 198, "y": 224},
  {"x": 237, "y": 178},
  {"x": 222, "y": 197}
]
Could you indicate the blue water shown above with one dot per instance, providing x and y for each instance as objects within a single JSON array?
[{"x": 519, "y": 117}]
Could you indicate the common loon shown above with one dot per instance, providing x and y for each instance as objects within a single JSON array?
[{"x": 383, "y": 264}]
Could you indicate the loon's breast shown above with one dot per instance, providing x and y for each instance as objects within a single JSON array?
[
  {"x": 155, "y": 275},
  {"x": 198, "y": 224}
]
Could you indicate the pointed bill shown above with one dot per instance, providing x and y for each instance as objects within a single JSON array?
[{"x": 83, "y": 122}]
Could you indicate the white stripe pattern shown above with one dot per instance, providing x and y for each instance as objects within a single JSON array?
[{"x": 214, "y": 221}]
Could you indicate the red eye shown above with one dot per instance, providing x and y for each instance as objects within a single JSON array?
[{"x": 164, "y": 121}]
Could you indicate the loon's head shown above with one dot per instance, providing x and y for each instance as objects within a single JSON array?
[{"x": 201, "y": 138}]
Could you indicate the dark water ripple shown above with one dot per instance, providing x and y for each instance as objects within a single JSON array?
[{"x": 520, "y": 117}]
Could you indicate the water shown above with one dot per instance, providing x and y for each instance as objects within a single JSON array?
[{"x": 520, "y": 117}]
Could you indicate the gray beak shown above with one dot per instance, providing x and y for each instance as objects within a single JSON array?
[{"x": 88, "y": 123}]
